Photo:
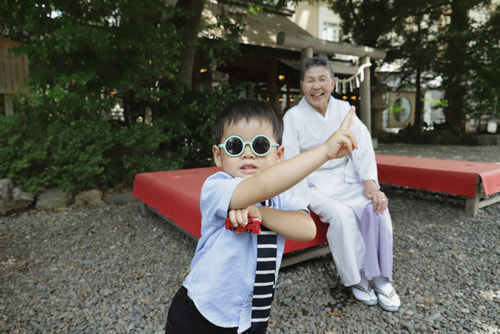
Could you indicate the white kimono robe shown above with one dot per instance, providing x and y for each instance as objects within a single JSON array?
[{"x": 335, "y": 192}]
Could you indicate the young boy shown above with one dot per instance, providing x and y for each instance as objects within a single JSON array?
[{"x": 231, "y": 283}]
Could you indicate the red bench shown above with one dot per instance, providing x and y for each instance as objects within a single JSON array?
[
  {"x": 175, "y": 195},
  {"x": 479, "y": 182}
]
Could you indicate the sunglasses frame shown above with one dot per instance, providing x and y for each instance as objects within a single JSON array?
[{"x": 250, "y": 143}]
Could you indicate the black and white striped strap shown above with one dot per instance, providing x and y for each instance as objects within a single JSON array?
[{"x": 265, "y": 277}]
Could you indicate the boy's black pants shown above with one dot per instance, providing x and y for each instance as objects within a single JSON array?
[{"x": 184, "y": 318}]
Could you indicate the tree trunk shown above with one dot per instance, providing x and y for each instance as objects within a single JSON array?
[
  {"x": 189, "y": 26},
  {"x": 456, "y": 71}
]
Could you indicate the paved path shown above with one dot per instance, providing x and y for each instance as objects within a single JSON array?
[{"x": 452, "y": 152}]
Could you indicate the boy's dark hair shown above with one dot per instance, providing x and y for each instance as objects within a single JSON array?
[
  {"x": 318, "y": 60},
  {"x": 248, "y": 109}
]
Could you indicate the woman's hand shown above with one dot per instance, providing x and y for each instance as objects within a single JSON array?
[{"x": 379, "y": 200}]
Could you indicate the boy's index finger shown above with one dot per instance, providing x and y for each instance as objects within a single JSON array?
[{"x": 347, "y": 123}]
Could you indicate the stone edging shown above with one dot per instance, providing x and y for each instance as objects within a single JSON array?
[{"x": 13, "y": 199}]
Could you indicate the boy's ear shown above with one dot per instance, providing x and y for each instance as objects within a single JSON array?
[
  {"x": 217, "y": 155},
  {"x": 280, "y": 153}
]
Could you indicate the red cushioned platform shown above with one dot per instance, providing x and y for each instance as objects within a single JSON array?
[
  {"x": 448, "y": 176},
  {"x": 176, "y": 195}
]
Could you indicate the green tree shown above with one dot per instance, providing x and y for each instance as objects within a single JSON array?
[
  {"x": 105, "y": 52},
  {"x": 187, "y": 20},
  {"x": 417, "y": 49},
  {"x": 435, "y": 36},
  {"x": 85, "y": 58},
  {"x": 365, "y": 21},
  {"x": 457, "y": 62},
  {"x": 485, "y": 74}
]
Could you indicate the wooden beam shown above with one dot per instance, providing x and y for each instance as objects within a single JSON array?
[{"x": 327, "y": 47}]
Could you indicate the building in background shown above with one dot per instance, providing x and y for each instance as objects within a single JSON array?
[
  {"x": 13, "y": 74},
  {"x": 393, "y": 108}
]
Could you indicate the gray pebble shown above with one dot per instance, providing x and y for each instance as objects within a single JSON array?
[{"x": 107, "y": 268}]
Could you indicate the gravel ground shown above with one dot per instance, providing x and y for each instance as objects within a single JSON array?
[{"x": 110, "y": 269}]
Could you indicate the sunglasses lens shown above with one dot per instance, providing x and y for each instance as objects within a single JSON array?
[
  {"x": 261, "y": 145},
  {"x": 234, "y": 146}
]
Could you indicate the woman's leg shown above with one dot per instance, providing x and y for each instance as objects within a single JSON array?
[
  {"x": 376, "y": 230},
  {"x": 344, "y": 237}
]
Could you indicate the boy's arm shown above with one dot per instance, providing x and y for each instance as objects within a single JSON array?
[
  {"x": 294, "y": 225},
  {"x": 282, "y": 176}
]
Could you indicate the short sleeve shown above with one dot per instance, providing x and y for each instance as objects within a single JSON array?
[{"x": 216, "y": 195}]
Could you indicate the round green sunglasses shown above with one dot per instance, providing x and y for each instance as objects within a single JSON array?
[{"x": 260, "y": 145}]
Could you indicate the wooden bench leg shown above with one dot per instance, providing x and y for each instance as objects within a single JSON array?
[
  {"x": 472, "y": 203},
  {"x": 146, "y": 211},
  {"x": 472, "y": 206}
]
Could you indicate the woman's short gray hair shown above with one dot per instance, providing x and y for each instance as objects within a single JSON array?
[{"x": 319, "y": 60}]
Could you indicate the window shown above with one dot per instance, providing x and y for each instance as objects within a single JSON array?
[
  {"x": 402, "y": 109},
  {"x": 331, "y": 32}
]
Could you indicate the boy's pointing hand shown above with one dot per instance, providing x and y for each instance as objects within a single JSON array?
[{"x": 343, "y": 141}]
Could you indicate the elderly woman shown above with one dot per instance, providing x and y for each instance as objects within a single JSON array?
[{"x": 344, "y": 192}]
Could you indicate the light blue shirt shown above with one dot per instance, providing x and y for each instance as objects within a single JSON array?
[{"x": 222, "y": 274}]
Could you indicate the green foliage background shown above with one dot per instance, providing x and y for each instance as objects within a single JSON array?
[
  {"x": 88, "y": 56},
  {"x": 85, "y": 57},
  {"x": 39, "y": 150},
  {"x": 435, "y": 39}
]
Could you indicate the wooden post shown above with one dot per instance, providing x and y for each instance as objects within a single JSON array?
[
  {"x": 307, "y": 53},
  {"x": 365, "y": 93},
  {"x": 9, "y": 110}
]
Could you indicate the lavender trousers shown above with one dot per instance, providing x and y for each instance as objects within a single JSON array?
[{"x": 359, "y": 239}]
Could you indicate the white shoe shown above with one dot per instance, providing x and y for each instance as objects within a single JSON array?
[
  {"x": 365, "y": 296},
  {"x": 388, "y": 301}
]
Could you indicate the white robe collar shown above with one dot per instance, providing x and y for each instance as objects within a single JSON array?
[{"x": 330, "y": 114}]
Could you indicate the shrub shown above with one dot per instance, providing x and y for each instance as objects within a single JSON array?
[
  {"x": 190, "y": 126},
  {"x": 50, "y": 145}
]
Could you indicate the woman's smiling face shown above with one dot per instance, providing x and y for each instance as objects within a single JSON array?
[{"x": 317, "y": 87}]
